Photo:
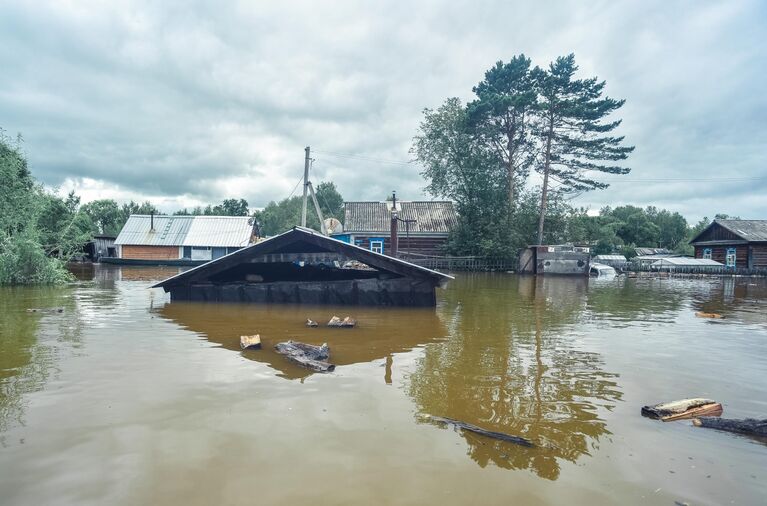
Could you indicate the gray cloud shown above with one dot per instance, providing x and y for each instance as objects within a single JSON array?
[{"x": 186, "y": 102}]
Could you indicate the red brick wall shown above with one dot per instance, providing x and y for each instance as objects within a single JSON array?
[{"x": 150, "y": 252}]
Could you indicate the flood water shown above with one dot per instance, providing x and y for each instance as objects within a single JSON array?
[{"x": 126, "y": 398}]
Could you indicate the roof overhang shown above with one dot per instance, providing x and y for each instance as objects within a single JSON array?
[{"x": 274, "y": 244}]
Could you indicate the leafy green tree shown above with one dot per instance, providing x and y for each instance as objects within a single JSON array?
[
  {"x": 673, "y": 228},
  {"x": 500, "y": 118},
  {"x": 23, "y": 257},
  {"x": 572, "y": 131},
  {"x": 105, "y": 215},
  {"x": 460, "y": 167}
]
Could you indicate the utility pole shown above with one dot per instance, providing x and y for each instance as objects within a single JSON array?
[{"x": 307, "y": 160}]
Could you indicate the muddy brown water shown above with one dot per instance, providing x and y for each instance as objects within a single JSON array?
[{"x": 126, "y": 398}]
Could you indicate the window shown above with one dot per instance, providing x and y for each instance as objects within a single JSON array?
[
  {"x": 707, "y": 253},
  {"x": 188, "y": 252},
  {"x": 376, "y": 245},
  {"x": 731, "y": 257}
]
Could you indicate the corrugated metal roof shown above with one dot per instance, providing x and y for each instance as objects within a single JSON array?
[
  {"x": 688, "y": 262},
  {"x": 750, "y": 230},
  {"x": 429, "y": 216},
  {"x": 168, "y": 230},
  {"x": 222, "y": 231}
]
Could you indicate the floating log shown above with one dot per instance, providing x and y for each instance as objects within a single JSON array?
[
  {"x": 250, "y": 342},
  {"x": 45, "y": 310},
  {"x": 701, "y": 314},
  {"x": 482, "y": 432},
  {"x": 338, "y": 322},
  {"x": 311, "y": 323},
  {"x": 683, "y": 409},
  {"x": 748, "y": 426},
  {"x": 307, "y": 355}
]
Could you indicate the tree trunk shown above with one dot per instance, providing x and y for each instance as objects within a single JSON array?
[
  {"x": 510, "y": 168},
  {"x": 545, "y": 189}
]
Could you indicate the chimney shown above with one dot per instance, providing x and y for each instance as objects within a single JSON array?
[
  {"x": 151, "y": 221},
  {"x": 393, "y": 231}
]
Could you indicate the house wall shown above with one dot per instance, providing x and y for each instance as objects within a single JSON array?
[
  {"x": 422, "y": 245},
  {"x": 149, "y": 252},
  {"x": 719, "y": 254}
]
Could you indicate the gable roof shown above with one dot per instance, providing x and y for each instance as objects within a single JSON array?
[
  {"x": 286, "y": 242},
  {"x": 748, "y": 230},
  {"x": 214, "y": 231},
  {"x": 431, "y": 216}
]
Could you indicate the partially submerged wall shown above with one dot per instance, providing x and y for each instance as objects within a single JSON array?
[{"x": 362, "y": 292}]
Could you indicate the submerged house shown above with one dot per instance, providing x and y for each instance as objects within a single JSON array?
[
  {"x": 735, "y": 243},
  {"x": 304, "y": 266},
  {"x": 176, "y": 240},
  {"x": 420, "y": 227}
]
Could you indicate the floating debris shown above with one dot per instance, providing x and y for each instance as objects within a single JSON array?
[
  {"x": 701, "y": 314},
  {"x": 307, "y": 355},
  {"x": 482, "y": 432},
  {"x": 311, "y": 323},
  {"x": 683, "y": 409},
  {"x": 250, "y": 342},
  {"x": 45, "y": 310},
  {"x": 338, "y": 322},
  {"x": 748, "y": 426}
]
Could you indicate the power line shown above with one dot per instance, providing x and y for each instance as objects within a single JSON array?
[{"x": 364, "y": 158}]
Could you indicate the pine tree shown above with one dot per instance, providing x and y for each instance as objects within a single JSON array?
[
  {"x": 573, "y": 133},
  {"x": 500, "y": 116}
]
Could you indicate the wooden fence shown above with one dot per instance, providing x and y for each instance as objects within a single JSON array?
[
  {"x": 695, "y": 270},
  {"x": 465, "y": 263}
]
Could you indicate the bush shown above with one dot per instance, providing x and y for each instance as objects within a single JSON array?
[{"x": 23, "y": 261}]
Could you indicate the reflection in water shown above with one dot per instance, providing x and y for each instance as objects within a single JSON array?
[
  {"x": 380, "y": 333},
  {"x": 30, "y": 343},
  {"x": 510, "y": 366}
]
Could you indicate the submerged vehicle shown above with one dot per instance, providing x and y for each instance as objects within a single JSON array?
[{"x": 598, "y": 270}]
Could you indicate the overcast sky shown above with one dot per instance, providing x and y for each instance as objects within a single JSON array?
[{"x": 192, "y": 102}]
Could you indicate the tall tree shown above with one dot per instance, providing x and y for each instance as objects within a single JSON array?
[
  {"x": 573, "y": 131},
  {"x": 500, "y": 116},
  {"x": 460, "y": 167}
]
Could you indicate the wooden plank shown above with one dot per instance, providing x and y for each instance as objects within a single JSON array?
[{"x": 482, "y": 432}]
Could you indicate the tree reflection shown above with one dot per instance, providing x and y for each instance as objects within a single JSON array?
[
  {"x": 511, "y": 365},
  {"x": 29, "y": 343}
]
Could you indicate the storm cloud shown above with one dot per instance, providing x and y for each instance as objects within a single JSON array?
[{"x": 192, "y": 102}]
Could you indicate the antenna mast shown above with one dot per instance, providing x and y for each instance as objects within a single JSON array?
[{"x": 307, "y": 160}]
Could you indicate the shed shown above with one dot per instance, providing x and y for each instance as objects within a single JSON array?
[
  {"x": 304, "y": 266},
  {"x": 422, "y": 227},
  {"x": 178, "y": 239},
  {"x": 562, "y": 259},
  {"x": 736, "y": 243}
]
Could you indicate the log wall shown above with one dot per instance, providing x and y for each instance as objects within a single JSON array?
[{"x": 149, "y": 252}]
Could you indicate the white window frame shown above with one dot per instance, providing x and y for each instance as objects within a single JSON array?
[
  {"x": 707, "y": 253},
  {"x": 377, "y": 246},
  {"x": 731, "y": 259}
]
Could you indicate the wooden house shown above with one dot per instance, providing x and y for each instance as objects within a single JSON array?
[
  {"x": 177, "y": 240},
  {"x": 304, "y": 266},
  {"x": 419, "y": 227},
  {"x": 735, "y": 243}
]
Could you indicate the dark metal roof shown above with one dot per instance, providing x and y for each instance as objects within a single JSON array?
[
  {"x": 748, "y": 230},
  {"x": 430, "y": 216},
  {"x": 301, "y": 235}
]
